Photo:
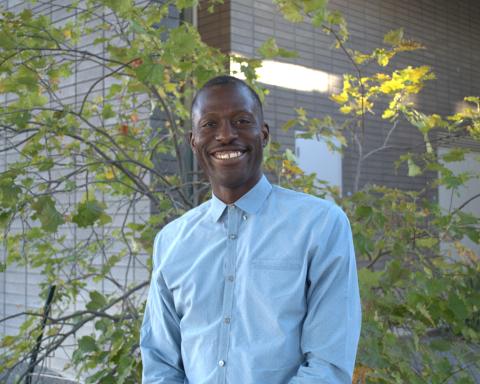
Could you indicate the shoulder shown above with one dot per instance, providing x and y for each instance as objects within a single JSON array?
[
  {"x": 188, "y": 218},
  {"x": 304, "y": 201},
  {"x": 324, "y": 214}
]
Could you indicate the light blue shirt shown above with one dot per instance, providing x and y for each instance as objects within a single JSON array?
[{"x": 263, "y": 291}]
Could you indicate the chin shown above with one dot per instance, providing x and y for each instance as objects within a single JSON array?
[{"x": 230, "y": 183}]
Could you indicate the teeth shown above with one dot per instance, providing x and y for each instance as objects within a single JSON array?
[{"x": 227, "y": 155}]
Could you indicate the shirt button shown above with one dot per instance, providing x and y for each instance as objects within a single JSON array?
[
  {"x": 221, "y": 363},
  {"x": 244, "y": 217},
  {"x": 232, "y": 236},
  {"x": 227, "y": 320},
  {"x": 230, "y": 278}
]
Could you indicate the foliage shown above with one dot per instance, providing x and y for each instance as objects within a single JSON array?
[
  {"x": 421, "y": 300},
  {"x": 419, "y": 282}
]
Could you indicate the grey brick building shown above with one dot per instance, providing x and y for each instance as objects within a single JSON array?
[{"x": 449, "y": 31}]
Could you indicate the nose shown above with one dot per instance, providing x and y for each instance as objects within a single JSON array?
[{"x": 226, "y": 132}]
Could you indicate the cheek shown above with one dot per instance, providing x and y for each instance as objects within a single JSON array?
[{"x": 197, "y": 144}]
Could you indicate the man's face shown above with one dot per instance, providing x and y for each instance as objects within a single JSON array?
[{"x": 228, "y": 136}]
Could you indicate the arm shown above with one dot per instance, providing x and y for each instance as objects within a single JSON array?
[
  {"x": 331, "y": 328},
  {"x": 160, "y": 334}
]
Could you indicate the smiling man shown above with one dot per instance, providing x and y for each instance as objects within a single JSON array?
[{"x": 257, "y": 285}]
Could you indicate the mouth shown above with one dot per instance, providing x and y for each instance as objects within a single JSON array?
[{"x": 228, "y": 155}]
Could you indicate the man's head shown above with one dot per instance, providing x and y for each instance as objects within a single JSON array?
[{"x": 228, "y": 134}]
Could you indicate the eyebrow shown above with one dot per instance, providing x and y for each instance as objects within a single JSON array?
[{"x": 239, "y": 111}]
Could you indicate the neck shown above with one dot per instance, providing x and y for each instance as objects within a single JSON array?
[{"x": 230, "y": 195}]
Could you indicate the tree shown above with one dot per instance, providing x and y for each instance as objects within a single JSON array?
[
  {"x": 421, "y": 301},
  {"x": 421, "y": 309}
]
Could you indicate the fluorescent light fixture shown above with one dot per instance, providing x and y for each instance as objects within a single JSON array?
[{"x": 291, "y": 76}]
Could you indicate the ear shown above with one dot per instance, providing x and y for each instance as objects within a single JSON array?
[
  {"x": 192, "y": 142},
  {"x": 265, "y": 134}
]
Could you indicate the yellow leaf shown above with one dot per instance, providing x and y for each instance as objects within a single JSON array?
[
  {"x": 417, "y": 74},
  {"x": 67, "y": 33},
  {"x": 360, "y": 58},
  {"x": 388, "y": 113},
  {"x": 391, "y": 86},
  {"x": 170, "y": 87},
  {"x": 340, "y": 98},
  {"x": 382, "y": 76},
  {"x": 292, "y": 168},
  {"x": 109, "y": 175},
  {"x": 345, "y": 109},
  {"x": 433, "y": 120},
  {"x": 383, "y": 60}
]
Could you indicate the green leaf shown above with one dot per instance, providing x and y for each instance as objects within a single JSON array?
[
  {"x": 108, "y": 112},
  {"x": 7, "y": 41},
  {"x": 97, "y": 301},
  {"x": 269, "y": 49},
  {"x": 473, "y": 234},
  {"x": 291, "y": 11},
  {"x": 46, "y": 212},
  {"x": 413, "y": 169},
  {"x": 88, "y": 212},
  {"x": 150, "y": 72},
  {"x": 335, "y": 18},
  {"x": 427, "y": 242},
  {"x": 457, "y": 306},
  {"x": 314, "y": 5},
  {"x": 46, "y": 164},
  {"x": 289, "y": 124},
  {"x": 319, "y": 18},
  {"x": 9, "y": 192},
  {"x": 394, "y": 37},
  {"x": 181, "y": 4},
  {"x": 368, "y": 278},
  {"x": 440, "y": 345},
  {"x": 87, "y": 344},
  {"x": 120, "y": 6},
  {"x": 7, "y": 341},
  {"x": 363, "y": 211},
  {"x": 114, "y": 89},
  {"x": 103, "y": 324},
  {"x": 455, "y": 154}
]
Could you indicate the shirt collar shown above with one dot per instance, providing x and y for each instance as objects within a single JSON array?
[{"x": 251, "y": 202}]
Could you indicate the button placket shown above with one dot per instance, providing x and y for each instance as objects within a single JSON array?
[{"x": 233, "y": 219}]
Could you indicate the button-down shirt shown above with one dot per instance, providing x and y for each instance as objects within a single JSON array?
[{"x": 263, "y": 291}]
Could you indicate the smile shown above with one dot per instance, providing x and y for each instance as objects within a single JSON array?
[{"x": 227, "y": 155}]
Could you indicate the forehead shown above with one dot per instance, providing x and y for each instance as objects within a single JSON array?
[{"x": 224, "y": 98}]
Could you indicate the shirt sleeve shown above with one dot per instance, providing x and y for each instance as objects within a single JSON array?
[
  {"x": 160, "y": 333},
  {"x": 331, "y": 329}
]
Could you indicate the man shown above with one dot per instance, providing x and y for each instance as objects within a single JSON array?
[{"x": 257, "y": 285}]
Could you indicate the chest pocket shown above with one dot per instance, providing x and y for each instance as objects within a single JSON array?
[{"x": 275, "y": 278}]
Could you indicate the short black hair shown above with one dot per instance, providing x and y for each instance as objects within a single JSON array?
[{"x": 226, "y": 80}]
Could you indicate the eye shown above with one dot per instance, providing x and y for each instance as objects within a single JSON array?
[
  {"x": 208, "y": 124},
  {"x": 243, "y": 121}
]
